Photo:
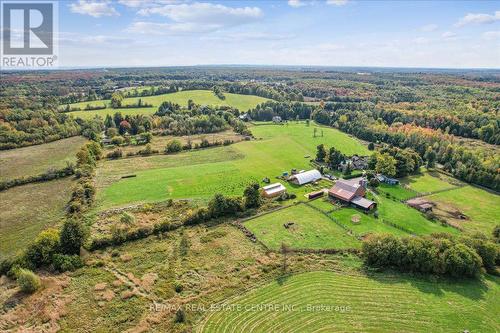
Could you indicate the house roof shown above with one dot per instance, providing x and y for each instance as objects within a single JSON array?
[
  {"x": 344, "y": 189},
  {"x": 307, "y": 176},
  {"x": 362, "y": 202},
  {"x": 274, "y": 188}
]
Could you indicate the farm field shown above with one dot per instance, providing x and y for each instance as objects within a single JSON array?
[
  {"x": 358, "y": 303},
  {"x": 34, "y": 160},
  {"x": 479, "y": 206},
  {"x": 428, "y": 182},
  {"x": 367, "y": 223},
  {"x": 26, "y": 211},
  {"x": 408, "y": 218},
  {"x": 311, "y": 230},
  {"x": 397, "y": 191},
  {"x": 228, "y": 171},
  {"x": 203, "y": 97}
]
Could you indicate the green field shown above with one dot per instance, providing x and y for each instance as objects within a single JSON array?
[
  {"x": 200, "y": 174},
  {"x": 34, "y": 160},
  {"x": 28, "y": 209},
  {"x": 480, "y": 206},
  {"x": 357, "y": 303},
  {"x": 428, "y": 182},
  {"x": 311, "y": 230},
  {"x": 397, "y": 191},
  {"x": 203, "y": 97},
  {"x": 367, "y": 223},
  {"x": 410, "y": 219}
]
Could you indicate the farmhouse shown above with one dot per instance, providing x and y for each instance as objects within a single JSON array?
[
  {"x": 420, "y": 204},
  {"x": 273, "y": 190},
  {"x": 355, "y": 163},
  {"x": 245, "y": 117},
  {"x": 305, "y": 177},
  {"x": 353, "y": 192}
]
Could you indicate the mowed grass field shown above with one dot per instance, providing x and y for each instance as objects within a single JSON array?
[
  {"x": 481, "y": 207},
  {"x": 358, "y": 303},
  {"x": 29, "y": 209},
  {"x": 408, "y": 218},
  {"x": 34, "y": 160},
  {"x": 429, "y": 181},
  {"x": 310, "y": 229},
  {"x": 203, "y": 97},
  {"x": 367, "y": 223},
  {"x": 227, "y": 170}
]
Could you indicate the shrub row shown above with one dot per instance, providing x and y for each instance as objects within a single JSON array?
[
  {"x": 51, "y": 174},
  {"x": 84, "y": 192},
  {"x": 174, "y": 146},
  {"x": 439, "y": 254}
]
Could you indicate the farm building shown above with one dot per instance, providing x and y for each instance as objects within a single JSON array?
[
  {"x": 305, "y": 177},
  {"x": 353, "y": 192},
  {"x": 273, "y": 190},
  {"x": 277, "y": 119},
  {"x": 387, "y": 180},
  {"x": 420, "y": 204}
]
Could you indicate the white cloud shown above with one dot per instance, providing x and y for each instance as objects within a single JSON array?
[
  {"x": 147, "y": 3},
  {"x": 202, "y": 12},
  {"x": 449, "y": 35},
  {"x": 195, "y": 18},
  {"x": 93, "y": 8},
  {"x": 245, "y": 36},
  {"x": 429, "y": 27},
  {"x": 337, "y": 2},
  {"x": 478, "y": 19},
  {"x": 153, "y": 28},
  {"x": 421, "y": 40},
  {"x": 296, "y": 3},
  {"x": 491, "y": 35}
]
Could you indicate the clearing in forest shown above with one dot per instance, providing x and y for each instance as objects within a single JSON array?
[
  {"x": 226, "y": 170},
  {"x": 203, "y": 97}
]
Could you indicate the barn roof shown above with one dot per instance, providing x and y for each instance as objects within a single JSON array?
[
  {"x": 307, "y": 176},
  {"x": 362, "y": 202},
  {"x": 274, "y": 188},
  {"x": 344, "y": 190}
]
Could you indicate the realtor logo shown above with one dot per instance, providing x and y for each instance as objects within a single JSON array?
[{"x": 28, "y": 34}]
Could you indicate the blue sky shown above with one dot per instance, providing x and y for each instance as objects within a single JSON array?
[{"x": 297, "y": 32}]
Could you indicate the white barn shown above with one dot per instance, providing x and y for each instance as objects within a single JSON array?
[{"x": 305, "y": 177}]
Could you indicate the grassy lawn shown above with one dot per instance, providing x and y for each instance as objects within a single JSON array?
[
  {"x": 27, "y": 210},
  {"x": 381, "y": 303},
  {"x": 311, "y": 230},
  {"x": 396, "y": 191},
  {"x": 322, "y": 203},
  {"x": 408, "y": 218},
  {"x": 34, "y": 160},
  {"x": 429, "y": 181},
  {"x": 367, "y": 223},
  {"x": 200, "y": 174},
  {"x": 480, "y": 206},
  {"x": 203, "y": 97}
]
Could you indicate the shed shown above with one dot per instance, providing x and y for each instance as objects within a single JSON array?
[
  {"x": 273, "y": 190},
  {"x": 363, "y": 203},
  {"x": 305, "y": 177}
]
